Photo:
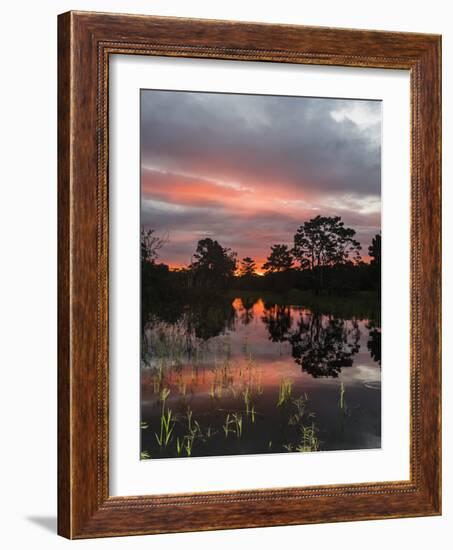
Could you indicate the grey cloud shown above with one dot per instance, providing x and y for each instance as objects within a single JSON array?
[{"x": 268, "y": 139}]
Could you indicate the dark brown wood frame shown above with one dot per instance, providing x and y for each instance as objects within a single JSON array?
[{"x": 85, "y": 42}]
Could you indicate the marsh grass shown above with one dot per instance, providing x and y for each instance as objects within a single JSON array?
[
  {"x": 179, "y": 446},
  {"x": 250, "y": 410},
  {"x": 300, "y": 413},
  {"x": 216, "y": 389},
  {"x": 342, "y": 402},
  {"x": 210, "y": 432},
  {"x": 226, "y": 425},
  {"x": 252, "y": 414},
  {"x": 158, "y": 379},
  {"x": 189, "y": 440},
  {"x": 188, "y": 416},
  {"x": 179, "y": 434},
  {"x": 223, "y": 379},
  {"x": 237, "y": 381},
  {"x": 165, "y": 392},
  {"x": 284, "y": 392},
  {"x": 258, "y": 384},
  {"x": 173, "y": 343},
  {"x": 309, "y": 440},
  {"x": 307, "y": 433},
  {"x": 194, "y": 432},
  {"x": 167, "y": 423},
  {"x": 247, "y": 399},
  {"x": 233, "y": 424},
  {"x": 237, "y": 424}
]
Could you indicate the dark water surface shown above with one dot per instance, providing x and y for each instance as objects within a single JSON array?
[{"x": 251, "y": 375}]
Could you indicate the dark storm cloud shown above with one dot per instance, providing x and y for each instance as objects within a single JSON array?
[{"x": 267, "y": 139}]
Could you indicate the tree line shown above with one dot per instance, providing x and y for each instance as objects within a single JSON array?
[{"x": 325, "y": 257}]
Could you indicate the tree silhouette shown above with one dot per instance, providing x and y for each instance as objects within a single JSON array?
[
  {"x": 325, "y": 241},
  {"x": 375, "y": 264},
  {"x": 247, "y": 267},
  {"x": 150, "y": 244},
  {"x": 214, "y": 265},
  {"x": 323, "y": 345},
  {"x": 280, "y": 259},
  {"x": 375, "y": 250}
]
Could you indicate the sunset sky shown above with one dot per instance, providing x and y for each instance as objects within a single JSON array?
[{"x": 247, "y": 170}]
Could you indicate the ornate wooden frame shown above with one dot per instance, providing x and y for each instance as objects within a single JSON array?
[{"x": 85, "y": 41}]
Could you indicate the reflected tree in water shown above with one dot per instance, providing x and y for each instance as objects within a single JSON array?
[
  {"x": 277, "y": 319},
  {"x": 323, "y": 345},
  {"x": 246, "y": 314},
  {"x": 209, "y": 318},
  {"x": 184, "y": 334},
  {"x": 374, "y": 342}
]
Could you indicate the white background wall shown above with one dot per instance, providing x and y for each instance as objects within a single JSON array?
[{"x": 28, "y": 215}]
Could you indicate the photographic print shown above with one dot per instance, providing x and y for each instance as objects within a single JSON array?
[{"x": 260, "y": 274}]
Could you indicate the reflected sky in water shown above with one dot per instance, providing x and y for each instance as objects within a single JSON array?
[{"x": 333, "y": 362}]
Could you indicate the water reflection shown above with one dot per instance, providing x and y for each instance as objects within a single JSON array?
[
  {"x": 323, "y": 345},
  {"x": 252, "y": 365},
  {"x": 374, "y": 343},
  {"x": 208, "y": 320},
  {"x": 277, "y": 319},
  {"x": 244, "y": 307}
]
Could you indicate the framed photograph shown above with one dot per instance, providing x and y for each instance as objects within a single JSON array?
[{"x": 249, "y": 275}]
